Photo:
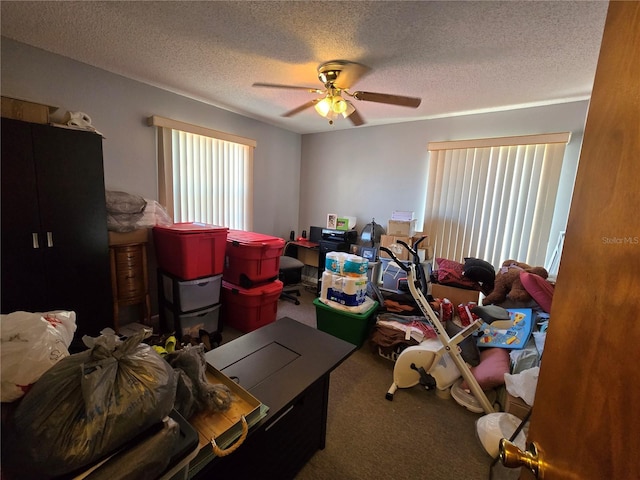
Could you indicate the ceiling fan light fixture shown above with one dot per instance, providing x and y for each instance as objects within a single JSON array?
[
  {"x": 349, "y": 109},
  {"x": 323, "y": 107},
  {"x": 331, "y": 106},
  {"x": 338, "y": 104},
  {"x": 338, "y": 77}
]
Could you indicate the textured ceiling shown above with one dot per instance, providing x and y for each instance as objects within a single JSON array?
[{"x": 459, "y": 57}]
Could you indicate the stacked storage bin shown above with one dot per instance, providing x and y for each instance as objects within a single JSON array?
[
  {"x": 250, "y": 285},
  {"x": 343, "y": 309},
  {"x": 190, "y": 263}
]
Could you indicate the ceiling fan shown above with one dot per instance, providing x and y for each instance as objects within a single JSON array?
[{"x": 338, "y": 76}]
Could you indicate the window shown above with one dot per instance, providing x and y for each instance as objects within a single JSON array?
[
  {"x": 493, "y": 199},
  {"x": 204, "y": 175}
]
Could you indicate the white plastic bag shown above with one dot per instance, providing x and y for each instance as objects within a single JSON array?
[
  {"x": 523, "y": 384},
  {"x": 31, "y": 344}
]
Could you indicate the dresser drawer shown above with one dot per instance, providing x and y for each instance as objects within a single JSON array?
[
  {"x": 129, "y": 272},
  {"x": 128, "y": 257},
  {"x": 130, "y": 283}
]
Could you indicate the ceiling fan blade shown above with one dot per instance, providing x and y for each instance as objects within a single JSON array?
[
  {"x": 350, "y": 74},
  {"x": 356, "y": 119},
  {"x": 288, "y": 87},
  {"x": 302, "y": 107},
  {"x": 388, "y": 98}
]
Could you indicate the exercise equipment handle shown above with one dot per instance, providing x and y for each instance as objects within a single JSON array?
[{"x": 395, "y": 259}]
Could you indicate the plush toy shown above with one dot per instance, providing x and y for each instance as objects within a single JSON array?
[
  {"x": 480, "y": 271},
  {"x": 508, "y": 282}
]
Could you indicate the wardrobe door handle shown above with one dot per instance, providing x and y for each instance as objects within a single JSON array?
[
  {"x": 49, "y": 239},
  {"x": 36, "y": 243}
]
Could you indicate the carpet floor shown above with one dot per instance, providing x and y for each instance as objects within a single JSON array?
[{"x": 416, "y": 436}]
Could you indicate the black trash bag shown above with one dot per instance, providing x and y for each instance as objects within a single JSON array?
[
  {"x": 147, "y": 459},
  {"x": 89, "y": 404},
  {"x": 185, "y": 403}
]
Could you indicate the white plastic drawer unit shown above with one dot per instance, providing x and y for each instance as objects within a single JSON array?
[{"x": 190, "y": 295}]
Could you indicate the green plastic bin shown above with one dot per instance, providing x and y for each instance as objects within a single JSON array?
[{"x": 351, "y": 327}]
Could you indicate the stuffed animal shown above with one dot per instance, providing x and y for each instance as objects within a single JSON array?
[
  {"x": 508, "y": 284},
  {"x": 480, "y": 271}
]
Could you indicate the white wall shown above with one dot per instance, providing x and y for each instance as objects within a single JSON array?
[
  {"x": 119, "y": 108},
  {"x": 368, "y": 172}
]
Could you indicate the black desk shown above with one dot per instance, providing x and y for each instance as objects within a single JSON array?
[{"x": 286, "y": 365}]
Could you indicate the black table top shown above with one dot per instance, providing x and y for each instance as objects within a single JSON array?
[{"x": 279, "y": 361}]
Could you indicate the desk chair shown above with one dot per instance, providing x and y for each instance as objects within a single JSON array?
[{"x": 290, "y": 274}]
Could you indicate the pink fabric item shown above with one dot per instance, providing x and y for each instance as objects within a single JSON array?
[
  {"x": 494, "y": 363},
  {"x": 451, "y": 273},
  {"x": 539, "y": 289}
]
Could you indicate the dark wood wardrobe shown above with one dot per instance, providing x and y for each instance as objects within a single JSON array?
[{"x": 55, "y": 253}]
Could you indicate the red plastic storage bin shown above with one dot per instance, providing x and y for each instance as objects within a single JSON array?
[
  {"x": 247, "y": 309},
  {"x": 190, "y": 250},
  {"x": 251, "y": 258}
]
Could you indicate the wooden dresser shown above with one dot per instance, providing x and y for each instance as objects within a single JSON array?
[{"x": 129, "y": 275}]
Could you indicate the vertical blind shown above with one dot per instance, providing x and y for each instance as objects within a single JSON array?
[
  {"x": 493, "y": 199},
  {"x": 203, "y": 177}
]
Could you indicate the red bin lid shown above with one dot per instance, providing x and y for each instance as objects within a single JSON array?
[
  {"x": 191, "y": 227},
  {"x": 254, "y": 239},
  {"x": 268, "y": 288}
]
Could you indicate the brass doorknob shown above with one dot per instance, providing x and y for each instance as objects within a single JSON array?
[{"x": 512, "y": 457}]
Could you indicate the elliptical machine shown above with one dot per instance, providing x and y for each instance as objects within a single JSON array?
[{"x": 435, "y": 363}]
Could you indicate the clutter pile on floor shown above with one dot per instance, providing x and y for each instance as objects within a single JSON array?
[
  {"x": 55, "y": 403},
  {"x": 503, "y": 353},
  {"x": 167, "y": 343}
]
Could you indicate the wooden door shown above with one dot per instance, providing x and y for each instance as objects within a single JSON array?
[{"x": 585, "y": 418}]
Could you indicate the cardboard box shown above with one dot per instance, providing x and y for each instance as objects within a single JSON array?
[
  {"x": 26, "y": 111},
  {"x": 391, "y": 242},
  {"x": 516, "y": 406},
  {"x": 454, "y": 294},
  {"x": 403, "y": 215},
  {"x": 423, "y": 240},
  {"x": 308, "y": 256},
  {"x": 402, "y": 228},
  {"x": 425, "y": 252}
]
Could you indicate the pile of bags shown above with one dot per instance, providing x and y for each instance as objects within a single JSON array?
[
  {"x": 86, "y": 406},
  {"x": 112, "y": 403}
]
